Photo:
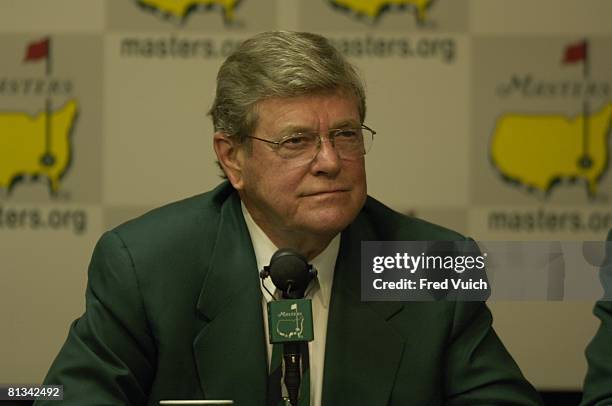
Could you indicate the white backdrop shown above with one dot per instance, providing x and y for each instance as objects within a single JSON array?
[{"x": 143, "y": 79}]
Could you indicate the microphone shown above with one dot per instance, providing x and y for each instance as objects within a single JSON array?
[
  {"x": 290, "y": 272},
  {"x": 290, "y": 319}
]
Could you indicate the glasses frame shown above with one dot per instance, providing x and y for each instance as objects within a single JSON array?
[{"x": 331, "y": 139}]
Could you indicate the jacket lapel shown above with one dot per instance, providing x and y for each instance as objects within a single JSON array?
[
  {"x": 362, "y": 350},
  {"x": 229, "y": 349}
]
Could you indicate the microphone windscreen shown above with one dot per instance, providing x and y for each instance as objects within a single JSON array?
[{"x": 290, "y": 271}]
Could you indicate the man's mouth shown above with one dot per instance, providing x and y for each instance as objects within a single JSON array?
[{"x": 325, "y": 192}]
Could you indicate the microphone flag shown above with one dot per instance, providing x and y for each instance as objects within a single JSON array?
[{"x": 290, "y": 320}]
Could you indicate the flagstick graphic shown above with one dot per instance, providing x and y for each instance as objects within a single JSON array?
[
  {"x": 48, "y": 59},
  {"x": 36, "y": 51},
  {"x": 47, "y": 159},
  {"x": 580, "y": 53},
  {"x": 586, "y": 161}
]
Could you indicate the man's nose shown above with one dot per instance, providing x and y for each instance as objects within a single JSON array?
[{"x": 327, "y": 160}]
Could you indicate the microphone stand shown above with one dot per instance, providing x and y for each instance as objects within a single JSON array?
[
  {"x": 291, "y": 273},
  {"x": 292, "y": 357}
]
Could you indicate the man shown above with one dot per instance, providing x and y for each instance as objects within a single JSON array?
[
  {"x": 598, "y": 381},
  {"x": 174, "y": 303}
]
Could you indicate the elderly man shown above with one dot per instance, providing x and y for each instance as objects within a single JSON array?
[{"x": 174, "y": 302}]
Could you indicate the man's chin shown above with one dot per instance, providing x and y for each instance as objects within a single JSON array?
[{"x": 329, "y": 222}]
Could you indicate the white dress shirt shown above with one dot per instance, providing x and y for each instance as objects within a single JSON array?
[{"x": 319, "y": 292}]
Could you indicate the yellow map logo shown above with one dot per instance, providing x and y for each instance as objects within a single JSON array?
[
  {"x": 539, "y": 151},
  {"x": 182, "y": 8},
  {"x": 36, "y": 146},
  {"x": 375, "y": 8}
]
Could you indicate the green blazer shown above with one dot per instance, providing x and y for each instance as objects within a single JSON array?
[
  {"x": 598, "y": 381},
  {"x": 174, "y": 312}
]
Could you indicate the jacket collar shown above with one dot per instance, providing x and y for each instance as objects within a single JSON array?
[
  {"x": 363, "y": 350},
  {"x": 230, "y": 345}
]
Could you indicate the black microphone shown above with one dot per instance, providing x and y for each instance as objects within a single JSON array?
[{"x": 291, "y": 273}]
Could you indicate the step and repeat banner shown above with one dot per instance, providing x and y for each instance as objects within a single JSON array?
[{"x": 493, "y": 118}]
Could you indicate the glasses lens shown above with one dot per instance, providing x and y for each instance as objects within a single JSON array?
[
  {"x": 303, "y": 145},
  {"x": 353, "y": 143},
  {"x": 349, "y": 142},
  {"x": 368, "y": 139}
]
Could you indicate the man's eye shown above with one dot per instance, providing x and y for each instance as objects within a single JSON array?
[
  {"x": 348, "y": 133},
  {"x": 297, "y": 141}
]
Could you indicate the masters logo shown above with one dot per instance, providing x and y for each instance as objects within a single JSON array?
[
  {"x": 36, "y": 146},
  {"x": 181, "y": 9},
  {"x": 539, "y": 151},
  {"x": 290, "y": 320},
  {"x": 290, "y": 324},
  {"x": 372, "y": 10}
]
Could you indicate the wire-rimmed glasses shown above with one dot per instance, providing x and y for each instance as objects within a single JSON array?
[{"x": 349, "y": 143}]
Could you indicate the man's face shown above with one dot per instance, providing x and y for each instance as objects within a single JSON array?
[{"x": 318, "y": 198}]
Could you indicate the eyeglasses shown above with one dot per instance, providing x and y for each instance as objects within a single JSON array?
[{"x": 349, "y": 143}]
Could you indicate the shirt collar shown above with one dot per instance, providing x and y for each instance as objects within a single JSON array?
[{"x": 264, "y": 248}]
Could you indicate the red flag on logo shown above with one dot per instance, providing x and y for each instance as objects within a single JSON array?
[
  {"x": 37, "y": 50},
  {"x": 575, "y": 52}
]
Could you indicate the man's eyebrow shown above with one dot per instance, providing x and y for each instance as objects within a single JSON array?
[
  {"x": 293, "y": 129},
  {"x": 348, "y": 123}
]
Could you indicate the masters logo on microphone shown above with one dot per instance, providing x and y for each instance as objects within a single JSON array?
[{"x": 290, "y": 320}]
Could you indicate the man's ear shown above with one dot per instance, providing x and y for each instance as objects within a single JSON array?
[{"x": 230, "y": 155}]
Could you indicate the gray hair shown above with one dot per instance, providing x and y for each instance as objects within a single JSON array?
[{"x": 278, "y": 64}]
